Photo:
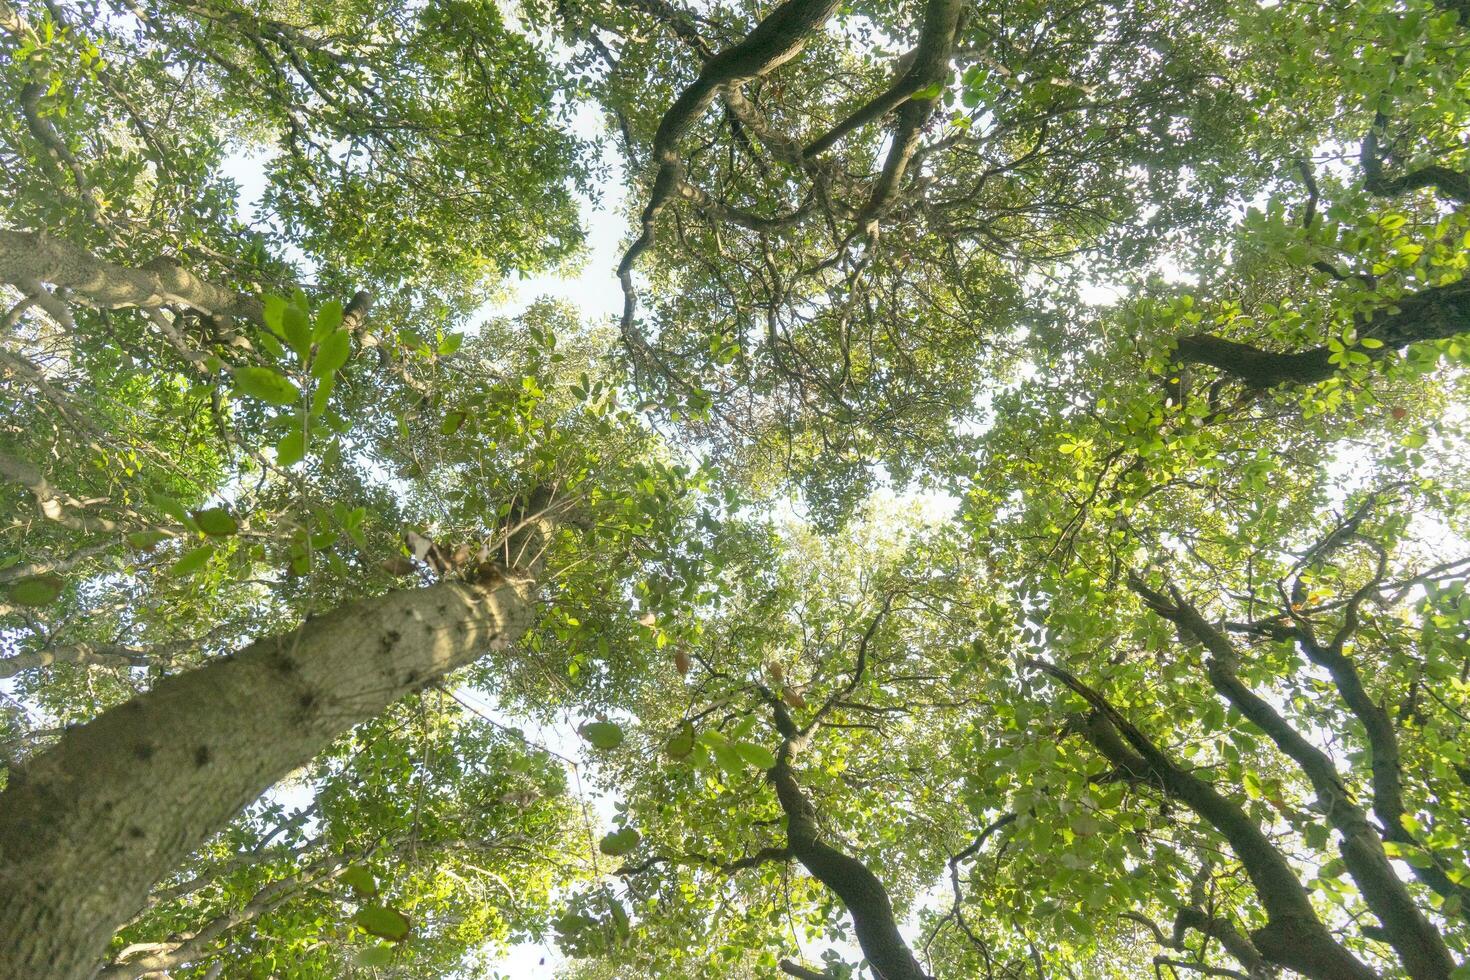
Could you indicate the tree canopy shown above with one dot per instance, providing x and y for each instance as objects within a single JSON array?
[{"x": 1018, "y": 525}]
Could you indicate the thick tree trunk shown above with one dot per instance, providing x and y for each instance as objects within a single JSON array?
[
  {"x": 850, "y": 880},
  {"x": 87, "y": 827},
  {"x": 861, "y": 891}
]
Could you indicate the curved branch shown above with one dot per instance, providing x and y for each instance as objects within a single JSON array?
[
  {"x": 1417, "y": 942},
  {"x": 774, "y": 41},
  {"x": 1436, "y": 313},
  {"x": 861, "y": 891},
  {"x": 928, "y": 65},
  {"x": 1293, "y": 935},
  {"x": 1450, "y": 184}
]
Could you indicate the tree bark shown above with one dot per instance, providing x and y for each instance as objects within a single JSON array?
[
  {"x": 861, "y": 891},
  {"x": 1417, "y": 942},
  {"x": 773, "y": 42},
  {"x": 1294, "y": 936},
  {"x": 29, "y": 257},
  {"x": 1436, "y": 313},
  {"x": 89, "y": 826}
]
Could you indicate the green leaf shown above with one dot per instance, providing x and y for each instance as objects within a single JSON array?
[
  {"x": 383, "y": 922},
  {"x": 192, "y": 561},
  {"x": 331, "y": 354},
  {"x": 216, "y": 522},
  {"x": 619, "y": 842},
  {"x": 727, "y": 758},
  {"x": 323, "y": 395},
  {"x": 374, "y": 956},
  {"x": 274, "y": 314},
  {"x": 682, "y": 743},
  {"x": 169, "y": 506},
  {"x": 296, "y": 329},
  {"x": 143, "y": 540},
  {"x": 266, "y": 385},
  {"x": 291, "y": 449},
  {"x": 450, "y": 343},
  {"x": 36, "y": 590},
  {"x": 361, "y": 881},
  {"x": 755, "y": 755},
  {"x": 602, "y": 734},
  {"x": 328, "y": 318},
  {"x": 271, "y": 344},
  {"x": 451, "y": 423},
  {"x": 928, "y": 92},
  {"x": 620, "y": 919}
]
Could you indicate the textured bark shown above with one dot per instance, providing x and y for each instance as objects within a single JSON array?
[
  {"x": 1436, "y": 313},
  {"x": 928, "y": 65},
  {"x": 29, "y": 257},
  {"x": 89, "y": 826}
]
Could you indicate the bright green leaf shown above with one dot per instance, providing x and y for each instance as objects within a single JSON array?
[
  {"x": 602, "y": 734},
  {"x": 266, "y": 385}
]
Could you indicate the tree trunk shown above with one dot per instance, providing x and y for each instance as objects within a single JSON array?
[
  {"x": 860, "y": 890},
  {"x": 89, "y": 826}
]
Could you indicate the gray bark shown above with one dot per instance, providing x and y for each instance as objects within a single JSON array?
[
  {"x": 87, "y": 827},
  {"x": 30, "y": 257}
]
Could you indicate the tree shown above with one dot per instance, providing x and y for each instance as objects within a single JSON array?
[{"x": 1016, "y": 528}]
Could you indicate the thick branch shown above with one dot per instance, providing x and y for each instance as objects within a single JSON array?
[
  {"x": 269, "y": 897},
  {"x": 1225, "y": 933},
  {"x": 112, "y": 654},
  {"x": 33, "y": 256},
  {"x": 850, "y": 880},
  {"x": 1450, "y": 184},
  {"x": 1436, "y": 313},
  {"x": 774, "y": 41},
  {"x": 928, "y": 65},
  {"x": 1293, "y": 936},
  {"x": 53, "y": 504},
  {"x": 1417, "y": 942}
]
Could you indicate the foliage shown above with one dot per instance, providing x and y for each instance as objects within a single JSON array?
[{"x": 1017, "y": 527}]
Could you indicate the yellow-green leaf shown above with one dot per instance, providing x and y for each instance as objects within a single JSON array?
[
  {"x": 383, "y": 922},
  {"x": 266, "y": 385},
  {"x": 216, "y": 522},
  {"x": 602, "y": 734},
  {"x": 331, "y": 354},
  {"x": 36, "y": 590}
]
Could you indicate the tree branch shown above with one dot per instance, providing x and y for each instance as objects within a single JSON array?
[{"x": 1293, "y": 936}]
